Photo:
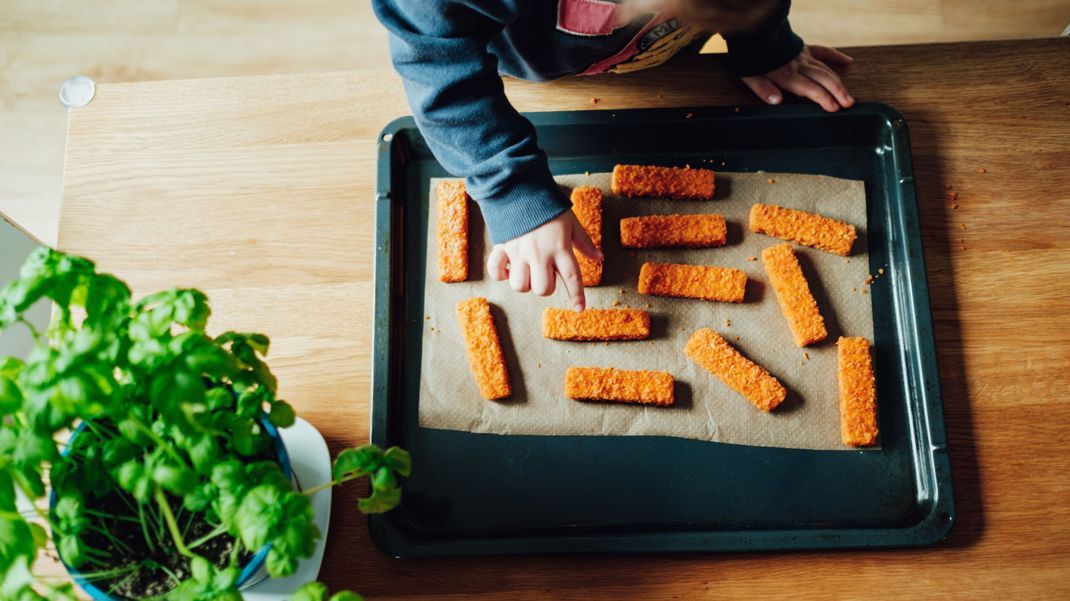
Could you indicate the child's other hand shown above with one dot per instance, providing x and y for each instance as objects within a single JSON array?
[
  {"x": 809, "y": 75},
  {"x": 532, "y": 261}
]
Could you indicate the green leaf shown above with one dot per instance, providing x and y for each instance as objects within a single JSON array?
[
  {"x": 174, "y": 479},
  {"x": 40, "y": 535},
  {"x": 16, "y": 540},
  {"x": 11, "y": 398},
  {"x": 346, "y": 596},
  {"x": 118, "y": 451},
  {"x": 281, "y": 415},
  {"x": 69, "y": 515},
  {"x": 218, "y": 398},
  {"x": 398, "y": 460},
  {"x": 279, "y": 564},
  {"x": 134, "y": 479},
  {"x": 71, "y": 549},
  {"x": 201, "y": 569},
  {"x": 204, "y": 452},
  {"x": 258, "y": 516},
  {"x": 357, "y": 461},
  {"x": 10, "y": 367},
  {"x": 385, "y": 493},
  {"x": 313, "y": 591},
  {"x": 17, "y": 577},
  {"x": 7, "y": 492}
]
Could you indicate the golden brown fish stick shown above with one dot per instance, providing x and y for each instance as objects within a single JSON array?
[
  {"x": 452, "y": 231},
  {"x": 663, "y": 182},
  {"x": 595, "y": 324},
  {"x": 693, "y": 281},
  {"x": 587, "y": 206},
  {"x": 485, "y": 355},
  {"x": 793, "y": 293},
  {"x": 749, "y": 379},
  {"x": 608, "y": 384},
  {"x": 808, "y": 229},
  {"x": 858, "y": 392},
  {"x": 673, "y": 231}
]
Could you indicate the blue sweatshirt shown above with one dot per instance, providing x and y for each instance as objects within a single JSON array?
[{"x": 451, "y": 55}]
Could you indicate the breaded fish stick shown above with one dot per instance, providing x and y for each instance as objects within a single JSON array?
[
  {"x": 793, "y": 294},
  {"x": 608, "y": 384},
  {"x": 663, "y": 182},
  {"x": 858, "y": 393},
  {"x": 452, "y": 231},
  {"x": 595, "y": 324},
  {"x": 484, "y": 349},
  {"x": 673, "y": 231},
  {"x": 808, "y": 229},
  {"x": 749, "y": 379},
  {"x": 587, "y": 206},
  {"x": 693, "y": 281}
]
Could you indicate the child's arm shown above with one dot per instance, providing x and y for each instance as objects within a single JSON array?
[
  {"x": 458, "y": 101},
  {"x": 771, "y": 57}
]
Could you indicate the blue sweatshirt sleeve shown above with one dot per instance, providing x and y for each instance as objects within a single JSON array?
[
  {"x": 457, "y": 98},
  {"x": 770, "y": 45}
]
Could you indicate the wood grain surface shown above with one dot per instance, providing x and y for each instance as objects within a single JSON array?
[{"x": 260, "y": 191}]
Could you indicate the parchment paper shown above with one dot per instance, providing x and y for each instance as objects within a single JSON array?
[{"x": 705, "y": 408}]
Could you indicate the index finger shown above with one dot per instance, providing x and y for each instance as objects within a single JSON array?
[{"x": 566, "y": 265}]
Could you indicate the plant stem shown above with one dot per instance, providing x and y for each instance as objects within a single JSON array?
[
  {"x": 308, "y": 492},
  {"x": 207, "y": 537},
  {"x": 33, "y": 329},
  {"x": 172, "y": 525},
  {"x": 147, "y": 431},
  {"x": 145, "y": 527}
]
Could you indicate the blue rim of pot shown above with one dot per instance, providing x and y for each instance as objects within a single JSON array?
[{"x": 248, "y": 572}]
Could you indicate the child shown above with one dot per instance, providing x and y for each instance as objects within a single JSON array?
[{"x": 450, "y": 54}]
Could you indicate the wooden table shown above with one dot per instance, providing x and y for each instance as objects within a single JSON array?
[{"x": 259, "y": 190}]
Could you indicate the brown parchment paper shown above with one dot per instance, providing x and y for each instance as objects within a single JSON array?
[{"x": 705, "y": 408}]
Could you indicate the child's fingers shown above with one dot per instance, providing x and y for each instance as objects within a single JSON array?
[
  {"x": 800, "y": 85},
  {"x": 830, "y": 55},
  {"x": 830, "y": 81},
  {"x": 583, "y": 243},
  {"x": 764, "y": 88},
  {"x": 497, "y": 264},
  {"x": 519, "y": 278},
  {"x": 542, "y": 277},
  {"x": 570, "y": 275}
]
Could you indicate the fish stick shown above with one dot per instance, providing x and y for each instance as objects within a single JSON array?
[
  {"x": 663, "y": 182},
  {"x": 858, "y": 393},
  {"x": 712, "y": 353},
  {"x": 793, "y": 294},
  {"x": 693, "y": 281},
  {"x": 595, "y": 324},
  {"x": 587, "y": 206},
  {"x": 485, "y": 355},
  {"x": 673, "y": 231},
  {"x": 808, "y": 229},
  {"x": 608, "y": 384},
  {"x": 452, "y": 231}
]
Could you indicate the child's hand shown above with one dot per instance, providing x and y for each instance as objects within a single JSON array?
[
  {"x": 808, "y": 75},
  {"x": 532, "y": 261}
]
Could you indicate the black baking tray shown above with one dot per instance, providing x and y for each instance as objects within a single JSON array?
[{"x": 475, "y": 494}]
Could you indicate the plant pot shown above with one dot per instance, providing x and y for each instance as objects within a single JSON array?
[{"x": 253, "y": 572}]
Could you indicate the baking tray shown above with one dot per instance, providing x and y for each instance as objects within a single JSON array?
[{"x": 473, "y": 494}]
